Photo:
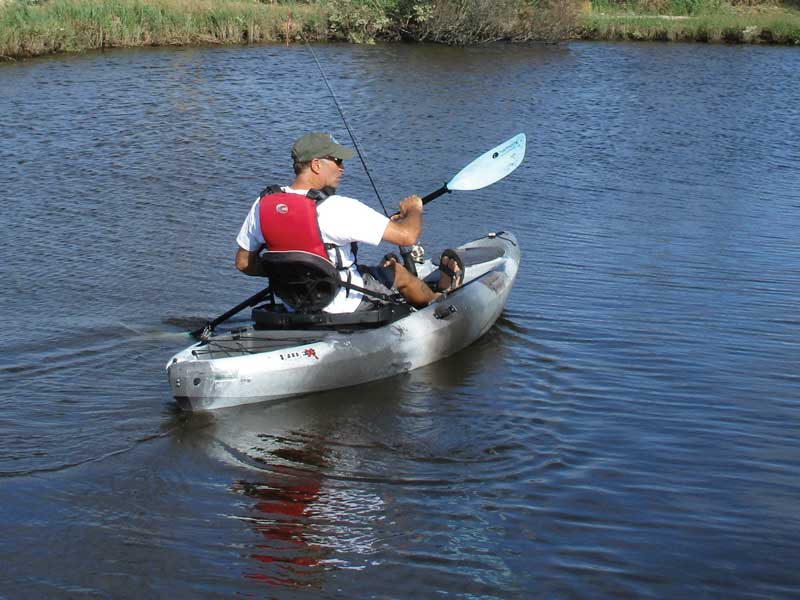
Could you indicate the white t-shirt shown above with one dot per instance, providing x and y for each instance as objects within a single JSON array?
[{"x": 342, "y": 220}]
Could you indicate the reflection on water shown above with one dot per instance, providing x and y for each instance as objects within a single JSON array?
[
  {"x": 284, "y": 506},
  {"x": 315, "y": 499},
  {"x": 303, "y": 513}
]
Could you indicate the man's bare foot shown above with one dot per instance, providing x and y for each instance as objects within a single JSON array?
[{"x": 451, "y": 271}]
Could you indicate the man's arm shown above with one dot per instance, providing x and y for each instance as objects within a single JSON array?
[
  {"x": 248, "y": 263},
  {"x": 405, "y": 228}
]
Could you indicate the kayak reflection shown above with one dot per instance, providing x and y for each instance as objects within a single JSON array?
[
  {"x": 320, "y": 474},
  {"x": 309, "y": 514},
  {"x": 283, "y": 514}
]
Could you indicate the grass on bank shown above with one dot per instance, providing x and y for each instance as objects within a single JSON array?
[
  {"x": 33, "y": 27},
  {"x": 690, "y": 7},
  {"x": 706, "y": 28},
  {"x": 29, "y": 29},
  {"x": 726, "y": 21}
]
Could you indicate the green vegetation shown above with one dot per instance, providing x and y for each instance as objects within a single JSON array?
[
  {"x": 732, "y": 21},
  {"x": 455, "y": 22},
  {"x": 33, "y": 27}
]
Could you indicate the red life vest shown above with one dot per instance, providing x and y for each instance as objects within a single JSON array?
[{"x": 289, "y": 222}]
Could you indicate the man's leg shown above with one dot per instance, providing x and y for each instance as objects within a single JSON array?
[{"x": 414, "y": 290}]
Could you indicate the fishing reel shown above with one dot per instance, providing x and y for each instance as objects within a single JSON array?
[
  {"x": 417, "y": 253},
  {"x": 412, "y": 256}
]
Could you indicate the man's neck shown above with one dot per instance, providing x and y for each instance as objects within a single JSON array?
[{"x": 305, "y": 182}]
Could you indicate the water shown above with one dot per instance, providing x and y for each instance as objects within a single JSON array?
[{"x": 628, "y": 429}]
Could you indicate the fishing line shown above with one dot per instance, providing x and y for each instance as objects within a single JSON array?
[{"x": 344, "y": 120}]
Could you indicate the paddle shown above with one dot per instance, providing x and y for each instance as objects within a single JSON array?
[
  {"x": 203, "y": 331},
  {"x": 490, "y": 167}
]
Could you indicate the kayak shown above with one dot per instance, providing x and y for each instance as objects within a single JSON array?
[{"x": 280, "y": 356}]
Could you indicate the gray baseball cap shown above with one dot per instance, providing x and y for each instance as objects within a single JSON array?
[{"x": 318, "y": 145}]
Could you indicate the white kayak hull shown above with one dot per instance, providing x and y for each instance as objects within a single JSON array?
[{"x": 302, "y": 362}]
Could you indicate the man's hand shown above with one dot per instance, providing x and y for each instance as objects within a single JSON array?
[
  {"x": 410, "y": 205},
  {"x": 404, "y": 227}
]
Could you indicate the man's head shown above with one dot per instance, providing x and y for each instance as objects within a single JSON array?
[
  {"x": 318, "y": 160},
  {"x": 318, "y": 145}
]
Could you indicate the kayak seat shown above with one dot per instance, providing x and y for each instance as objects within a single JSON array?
[{"x": 307, "y": 283}]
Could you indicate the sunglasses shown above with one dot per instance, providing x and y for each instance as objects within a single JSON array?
[{"x": 339, "y": 162}]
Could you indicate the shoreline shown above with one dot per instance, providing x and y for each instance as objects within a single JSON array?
[
  {"x": 30, "y": 28},
  {"x": 759, "y": 28}
]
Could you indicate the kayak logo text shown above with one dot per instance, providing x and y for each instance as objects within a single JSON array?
[{"x": 307, "y": 353}]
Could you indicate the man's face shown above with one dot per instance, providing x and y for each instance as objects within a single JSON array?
[{"x": 331, "y": 169}]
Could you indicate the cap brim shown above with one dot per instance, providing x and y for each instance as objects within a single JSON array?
[{"x": 342, "y": 152}]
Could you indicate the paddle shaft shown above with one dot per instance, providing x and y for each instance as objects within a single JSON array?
[
  {"x": 434, "y": 195},
  {"x": 254, "y": 299}
]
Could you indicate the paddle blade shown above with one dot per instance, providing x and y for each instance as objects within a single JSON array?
[{"x": 491, "y": 166}]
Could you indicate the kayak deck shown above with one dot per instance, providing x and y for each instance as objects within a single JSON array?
[{"x": 245, "y": 341}]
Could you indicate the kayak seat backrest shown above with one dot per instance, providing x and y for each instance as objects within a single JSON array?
[{"x": 305, "y": 281}]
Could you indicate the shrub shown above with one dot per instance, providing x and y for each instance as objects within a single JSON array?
[{"x": 481, "y": 21}]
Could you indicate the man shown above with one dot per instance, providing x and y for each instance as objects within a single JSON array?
[{"x": 319, "y": 163}]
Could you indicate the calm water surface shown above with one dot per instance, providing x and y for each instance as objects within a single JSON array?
[{"x": 628, "y": 429}]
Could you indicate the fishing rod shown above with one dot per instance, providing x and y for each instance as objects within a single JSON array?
[
  {"x": 406, "y": 252},
  {"x": 347, "y": 126},
  {"x": 485, "y": 170}
]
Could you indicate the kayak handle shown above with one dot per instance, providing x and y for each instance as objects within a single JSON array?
[{"x": 443, "y": 312}]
